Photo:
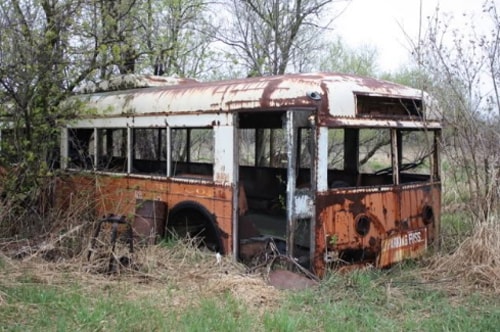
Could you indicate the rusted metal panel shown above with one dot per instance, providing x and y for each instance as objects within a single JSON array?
[
  {"x": 72, "y": 192},
  {"x": 149, "y": 220},
  {"x": 397, "y": 210},
  {"x": 132, "y": 81},
  {"x": 402, "y": 245},
  {"x": 119, "y": 195},
  {"x": 155, "y": 121}
]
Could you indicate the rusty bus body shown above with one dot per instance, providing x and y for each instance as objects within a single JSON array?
[{"x": 338, "y": 169}]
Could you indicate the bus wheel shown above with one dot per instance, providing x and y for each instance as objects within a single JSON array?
[{"x": 193, "y": 220}]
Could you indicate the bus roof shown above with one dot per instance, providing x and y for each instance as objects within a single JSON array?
[{"x": 330, "y": 92}]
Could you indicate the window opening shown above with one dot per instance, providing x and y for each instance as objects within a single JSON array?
[
  {"x": 149, "y": 151},
  {"x": 192, "y": 152},
  {"x": 417, "y": 149},
  {"x": 81, "y": 148},
  {"x": 304, "y": 157},
  {"x": 112, "y": 150}
]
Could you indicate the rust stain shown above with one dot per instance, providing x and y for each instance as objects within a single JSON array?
[
  {"x": 274, "y": 92},
  {"x": 404, "y": 212},
  {"x": 119, "y": 195}
]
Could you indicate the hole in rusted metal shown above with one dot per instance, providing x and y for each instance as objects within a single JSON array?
[
  {"x": 362, "y": 224},
  {"x": 427, "y": 214}
]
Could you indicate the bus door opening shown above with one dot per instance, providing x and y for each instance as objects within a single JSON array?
[{"x": 275, "y": 179}]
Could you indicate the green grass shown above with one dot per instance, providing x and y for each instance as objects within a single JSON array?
[
  {"x": 455, "y": 228},
  {"x": 34, "y": 307},
  {"x": 39, "y": 297},
  {"x": 392, "y": 300},
  {"x": 363, "y": 301}
]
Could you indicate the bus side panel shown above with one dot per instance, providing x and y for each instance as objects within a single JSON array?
[
  {"x": 76, "y": 193},
  {"x": 421, "y": 207},
  {"x": 118, "y": 195},
  {"x": 352, "y": 223},
  {"x": 115, "y": 195}
]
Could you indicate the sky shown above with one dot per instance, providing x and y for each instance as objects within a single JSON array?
[{"x": 384, "y": 23}]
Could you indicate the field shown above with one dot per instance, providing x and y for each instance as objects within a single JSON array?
[{"x": 176, "y": 287}]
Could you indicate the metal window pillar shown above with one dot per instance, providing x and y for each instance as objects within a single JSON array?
[{"x": 291, "y": 142}]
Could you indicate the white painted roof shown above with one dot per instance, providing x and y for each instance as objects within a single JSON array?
[{"x": 337, "y": 93}]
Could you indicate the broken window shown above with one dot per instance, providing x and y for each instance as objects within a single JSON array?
[
  {"x": 81, "y": 148},
  {"x": 336, "y": 149},
  {"x": 149, "y": 151},
  {"x": 112, "y": 150},
  {"x": 247, "y": 147},
  {"x": 192, "y": 151},
  {"x": 416, "y": 152},
  {"x": 305, "y": 157},
  {"x": 374, "y": 150},
  {"x": 342, "y": 166},
  {"x": 363, "y": 157},
  {"x": 271, "y": 148}
]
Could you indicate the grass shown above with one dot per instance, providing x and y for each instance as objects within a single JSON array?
[
  {"x": 378, "y": 300},
  {"x": 455, "y": 228},
  {"x": 32, "y": 307},
  {"x": 174, "y": 286},
  {"x": 40, "y": 296}
]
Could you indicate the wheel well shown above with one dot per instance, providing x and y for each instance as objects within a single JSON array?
[{"x": 193, "y": 219}]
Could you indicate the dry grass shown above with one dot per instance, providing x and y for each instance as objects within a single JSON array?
[
  {"x": 179, "y": 274},
  {"x": 475, "y": 263}
]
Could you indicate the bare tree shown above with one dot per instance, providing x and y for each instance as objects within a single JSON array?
[
  {"x": 177, "y": 37},
  {"x": 40, "y": 64},
  {"x": 464, "y": 71},
  {"x": 269, "y": 37},
  {"x": 115, "y": 26},
  {"x": 165, "y": 37}
]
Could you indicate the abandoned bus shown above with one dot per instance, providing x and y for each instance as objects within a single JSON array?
[{"x": 337, "y": 169}]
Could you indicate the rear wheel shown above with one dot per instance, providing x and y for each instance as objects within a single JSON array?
[{"x": 190, "y": 219}]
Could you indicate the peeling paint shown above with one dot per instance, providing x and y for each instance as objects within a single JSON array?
[
  {"x": 375, "y": 222},
  {"x": 274, "y": 92}
]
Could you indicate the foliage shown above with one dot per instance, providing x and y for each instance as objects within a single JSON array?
[
  {"x": 409, "y": 76},
  {"x": 49, "y": 49},
  {"x": 36, "y": 72},
  {"x": 342, "y": 59}
]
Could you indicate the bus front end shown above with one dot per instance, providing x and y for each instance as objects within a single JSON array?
[{"x": 378, "y": 195}]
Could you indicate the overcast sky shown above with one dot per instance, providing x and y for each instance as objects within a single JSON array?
[{"x": 380, "y": 22}]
